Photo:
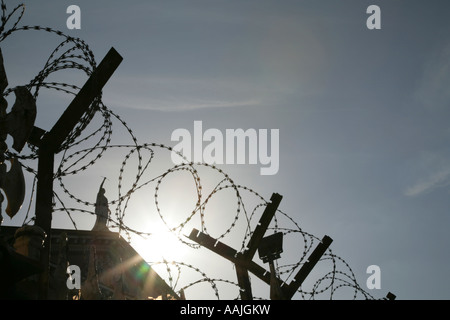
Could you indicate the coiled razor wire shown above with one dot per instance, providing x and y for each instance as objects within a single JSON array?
[{"x": 74, "y": 54}]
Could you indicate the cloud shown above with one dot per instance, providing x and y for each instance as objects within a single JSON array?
[
  {"x": 437, "y": 180},
  {"x": 175, "y": 104},
  {"x": 176, "y": 94}
]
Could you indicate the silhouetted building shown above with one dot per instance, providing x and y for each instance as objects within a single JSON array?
[{"x": 109, "y": 267}]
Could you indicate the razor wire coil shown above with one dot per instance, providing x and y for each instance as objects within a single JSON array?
[{"x": 74, "y": 54}]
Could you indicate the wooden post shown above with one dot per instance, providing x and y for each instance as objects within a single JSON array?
[
  {"x": 50, "y": 144},
  {"x": 304, "y": 271},
  {"x": 275, "y": 287},
  {"x": 229, "y": 254},
  {"x": 243, "y": 261},
  {"x": 244, "y": 264},
  {"x": 244, "y": 283},
  {"x": 262, "y": 226},
  {"x": 44, "y": 207}
]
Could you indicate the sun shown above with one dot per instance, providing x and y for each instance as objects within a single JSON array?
[{"x": 160, "y": 246}]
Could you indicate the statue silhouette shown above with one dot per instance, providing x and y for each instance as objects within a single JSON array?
[{"x": 101, "y": 210}]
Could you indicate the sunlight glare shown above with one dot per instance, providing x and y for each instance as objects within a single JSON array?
[{"x": 161, "y": 246}]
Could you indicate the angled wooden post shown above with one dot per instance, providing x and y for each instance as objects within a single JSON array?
[
  {"x": 262, "y": 226},
  {"x": 50, "y": 143},
  {"x": 243, "y": 261},
  {"x": 229, "y": 254},
  {"x": 304, "y": 271}
]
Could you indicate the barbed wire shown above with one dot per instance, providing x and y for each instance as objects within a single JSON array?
[{"x": 81, "y": 151}]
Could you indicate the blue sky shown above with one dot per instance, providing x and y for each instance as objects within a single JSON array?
[{"x": 363, "y": 114}]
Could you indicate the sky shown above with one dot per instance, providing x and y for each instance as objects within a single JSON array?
[{"x": 362, "y": 115}]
